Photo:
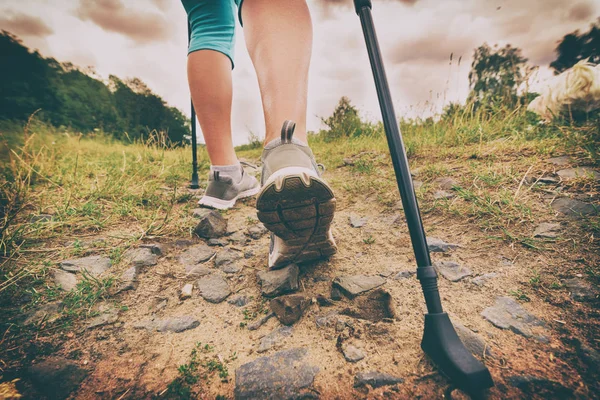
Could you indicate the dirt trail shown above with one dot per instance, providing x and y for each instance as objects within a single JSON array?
[{"x": 545, "y": 358}]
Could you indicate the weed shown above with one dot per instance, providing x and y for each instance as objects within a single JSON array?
[
  {"x": 519, "y": 295},
  {"x": 369, "y": 240}
]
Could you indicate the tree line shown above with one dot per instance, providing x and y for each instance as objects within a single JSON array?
[{"x": 67, "y": 96}]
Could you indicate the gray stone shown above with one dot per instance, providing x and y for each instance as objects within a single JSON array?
[
  {"x": 274, "y": 338},
  {"x": 289, "y": 309},
  {"x": 107, "y": 318},
  {"x": 49, "y": 312},
  {"x": 239, "y": 300},
  {"x": 284, "y": 375},
  {"x": 348, "y": 161},
  {"x": 352, "y": 354},
  {"x": 226, "y": 261},
  {"x": 128, "y": 280},
  {"x": 257, "y": 231},
  {"x": 404, "y": 274},
  {"x": 335, "y": 293},
  {"x": 508, "y": 314},
  {"x": 356, "y": 221},
  {"x": 546, "y": 230},
  {"x": 174, "y": 324},
  {"x": 439, "y": 246},
  {"x": 217, "y": 242},
  {"x": 41, "y": 218},
  {"x": 248, "y": 254},
  {"x": 186, "y": 291},
  {"x": 328, "y": 320},
  {"x": 93, "y": 265},
  {"x": 280, "y": 281},
  {"x": 238, "y": 238},
  {"x": 56, "y": 378},
  {"x": 196, "y": 255},
  {"x": 66, "y": 280},
  {"x": 353, "y": 285},
  {"x": 580, "y": 289},
  {"x": 258, "y": 323},
  {"x": 155, "y": 248},
  {"x": 482, "y": 279},
  {"x": 443, "y": 194},
  {"x": 417, "y": 184},
  {"x": 445, "y": 183},
  {"x": 573, "y": 207},
  {"x": 570, "y": 173},
  {"x": 213, "y": 288},
  {"x": 376, "y": 379},
  {"x": 451, "y": 270},
  {"x": 200, "y": 212},
  {"x": 472, "y": 341},
  {"x": 560, "y": 160},
  {"x": 196, "y": 271},
  {"x": 211, "y": 225}
]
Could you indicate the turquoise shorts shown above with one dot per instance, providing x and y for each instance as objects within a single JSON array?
[{"x": 212, "y": 24}]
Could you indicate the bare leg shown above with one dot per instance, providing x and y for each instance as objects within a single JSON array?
[
  {"x": 209, "y": 76},
  {"x": 279, "y": 39}
]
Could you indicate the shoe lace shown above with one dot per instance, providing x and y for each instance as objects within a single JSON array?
[{"x": 247, "y": 164}]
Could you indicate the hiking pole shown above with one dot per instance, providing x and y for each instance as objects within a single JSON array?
[
  {"x": 194, "y": 183},
  {"x": 440, "y": 341}
]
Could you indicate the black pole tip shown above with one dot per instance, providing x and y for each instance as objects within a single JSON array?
[
  {"x": 194, "y": 183},
  {"x": 360, "y": 4},
  {"x": 442, "y": 344}
]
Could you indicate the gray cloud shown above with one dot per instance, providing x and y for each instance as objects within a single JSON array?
[
  {"x": 24, "y": 25},
  {"x": 112, "y": 15}
]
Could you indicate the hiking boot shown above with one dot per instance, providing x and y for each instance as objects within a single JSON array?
[
  {"x": 222, "y": 192},
  {"x": 295, "y": 203}
]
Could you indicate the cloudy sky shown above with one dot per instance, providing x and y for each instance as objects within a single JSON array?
[{"x": 148, "y": 39}]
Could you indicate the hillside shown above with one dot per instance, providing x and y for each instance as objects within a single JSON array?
[{"x": 513, "y": 203}]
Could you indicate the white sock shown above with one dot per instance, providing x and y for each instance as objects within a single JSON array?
[{"x": 233, "y": 171}]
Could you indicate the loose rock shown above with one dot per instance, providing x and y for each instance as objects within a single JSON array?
[
  {"x": 280, "y": 281},
  {"x": 49, "y": 312},
  {"x": 56, "y": 378},
  {"x": 328, "y": 320},
  {"x": 128, "y": 279},
  {"x": 560, "y": 160},
  {"x": 196, "y": 255},
  {"x": 570, "y": 173},
  {"x": 109, "y": 317},
  {"x": 226, "y": 261},
  {"x": 580, "y": 289},
  {"x": 289, "y": 309},
  {"x": 451, "y": 270},
  {"x": 213, "y": 288},
  {"x": 508, "y": 314},
  {"x": 573, "y": 208},
  {"x": 141, "y": 257},
  {"x": 482, "y": 279},
  {"x": 353, "y": 285},
  {"x": 274, "y": 338},
  {"x": 211, "y": 225},
  {"x": 238, "y": 238},
  {"x": 439, "y": 246},
  {"x": 546, "y": 230},
  {"x": 93, "y": 265},
  {"x": 64, "y": 279},
  {"x": 472, "y": 341},
  {"x": 175, "y": 324},
  {"x": 356, "y": 221},
  {"x": 186, "y": 291},
  {"x": 257, "y": 231},
  {"x": 445, "y": 183},
  {"x": 404, "y": 274},
  {"x": 217, "y": 242},
  {"x": 197, "y": 271},
  {"x": 257, "y": 324},
  {"x": 352, "y": 354},
  {"x": 376, "y": 379},
  {"x": 239, "y": 300},
  {"x": 284, "y": 375},
  {"x": 443, "y": 194},
  {"x": 155, "y": 248},
  {"x": 376, "y": 306},
  {"x": 201, "y": 212}
]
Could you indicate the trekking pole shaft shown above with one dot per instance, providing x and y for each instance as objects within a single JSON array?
[
  {"x": 194, "y": 183},
  {"x": 425, "y": 272}
]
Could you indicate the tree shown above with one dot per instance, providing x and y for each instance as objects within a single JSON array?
[
  {"x": 575, "y": 47},
  {"x": 496, "y": 74}
]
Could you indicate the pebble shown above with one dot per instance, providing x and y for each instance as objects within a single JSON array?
[
  {"x": 155, "y": 248},
  {"x": 451, "y": 270},
  {"x": 279, "y": 281},
  {"x": 439, "y": 246},
  {"x": 376, "y": 379},
  {"x": 109, "y": 317},
  {"x": 328, "y": 320},
  {"x": 128, "y": 279},
  {"x": 217, "y": 242},
  {"x": 186, "y": 291},
  {"x": 506, "y": 313},
  {"x": 175, "y": 324},
  {"x": 257, "y": 231},
  {"x": 445, "y": 183},
  {"x": 571, "y": 173},
  {"x": 258, "y": 323},
  {"x": 226, "y": 261},
  {"x": 56, "y": 378},
  {"x": 356, "y": 221},
  {"x": 211, "y": 225},
  {"x": 289, "y": 309},
  {"x": 283, "y": 375},
  {"x": 65, "y": 280},
  {"x": 274, "y": 338},
  {"x": 93, "y": 265},
  {"x": 238, "y": 238},
  {"x": 335, "y": 293},
  {"x": 404, "y": 274},
  {"x": 239, "y": 300},
  {"x": 574, "y": 208},
  {"x": 141, "y": 257},
  {"x": 196, "y": 254},
  {"x": 352, "y": 353},
  {"x": 213, "y": 288},
  {"x": 547, "y": 230},
  {"x": 482, "y": 279},
  {"x": 580, "y": 289},
  {"x": 353, "y": 285},
  {"x": 197, "y": 271}
]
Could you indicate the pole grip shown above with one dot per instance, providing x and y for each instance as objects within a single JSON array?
[{"x": 360, "y": 4}]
